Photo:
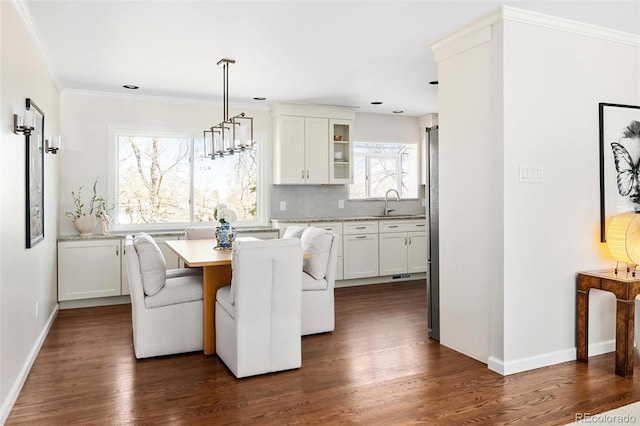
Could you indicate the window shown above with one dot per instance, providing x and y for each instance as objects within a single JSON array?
[
  {"x": 164, "y": 179},
  {"x": 379, "y": 167}
]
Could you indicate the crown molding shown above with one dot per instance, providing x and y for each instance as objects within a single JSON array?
[
  {"x": 159, "y": 99},
  {"x": 568, "y": 25},
  {"x": 25, "y": 16},
  {"x": 479, "y": 31}
]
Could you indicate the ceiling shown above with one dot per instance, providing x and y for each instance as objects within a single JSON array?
[{"x": 331, "y": 52}]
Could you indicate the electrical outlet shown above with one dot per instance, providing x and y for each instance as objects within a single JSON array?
[
  {"x": 37, "y": 310},
  {"x": 341, "y": 204},
  {"x": 283, "y": 206}
]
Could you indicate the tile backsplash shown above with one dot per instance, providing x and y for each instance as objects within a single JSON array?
[{"x": 308, "y": 201}]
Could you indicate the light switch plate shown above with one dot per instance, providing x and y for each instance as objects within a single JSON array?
[
  {"x": 341, "y": 204},
  {"x": 283, "y": 206},
  {"x": 531, "y": 174}
]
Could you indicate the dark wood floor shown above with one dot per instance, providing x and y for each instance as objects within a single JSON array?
[{"x": 378, "y": 367}]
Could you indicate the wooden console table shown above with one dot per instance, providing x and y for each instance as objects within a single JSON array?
[{"x": 625, "y": 287}]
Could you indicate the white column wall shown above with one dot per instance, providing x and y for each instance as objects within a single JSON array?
[
  {"x": 553, "y": 82},
  {"x": 470, "y": 200},
  {"x": 519, "y": 88}
]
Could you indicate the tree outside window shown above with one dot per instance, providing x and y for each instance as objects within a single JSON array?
[
  {"x": 379, "y": 167},
  {"x": 167, "y": 179}
]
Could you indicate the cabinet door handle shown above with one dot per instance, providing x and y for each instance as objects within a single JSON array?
[
  {"x": 393, "y": 226},
  {"x": 405, "y": 241},
  {"x": 307, "y": 174},
  {"x": 302, "y": 174},
  {"x": 117, "y": 251},
  {"x": 421, "y": 224},
  {"x": 361, "y": 227},
  {"x": 361, "y": 236},
  {"x": 409, "y": 240}
]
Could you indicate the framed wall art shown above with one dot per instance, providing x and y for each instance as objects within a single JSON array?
[
  {"x": 619, "y": 162},
  {"x": 35, "y": 175}
]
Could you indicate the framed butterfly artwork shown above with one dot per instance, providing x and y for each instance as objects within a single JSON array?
[{"x": 619, "y": 162}]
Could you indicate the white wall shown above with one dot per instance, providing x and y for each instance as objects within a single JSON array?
[
  {"x": 27, "y": 276},
  {"x": 85, "y": 120},
  {"x": 552, "y": 229},
  {"x": 525, "y": 92}
]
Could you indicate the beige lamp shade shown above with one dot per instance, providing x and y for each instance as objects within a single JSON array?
[{"x": 623, "y": 238}]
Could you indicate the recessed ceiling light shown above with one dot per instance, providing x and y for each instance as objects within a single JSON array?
[
  {"x": 259, "y": 98},
  {"x": 398, "y": 111},
  {"x": 376, "y": 103},
  {"x": 130, "y": 86},
  {"x": 433, "y": 82}
]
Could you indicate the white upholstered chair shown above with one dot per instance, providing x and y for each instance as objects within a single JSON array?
[
  {"x": 258, "y": 315},
  {"x": 166, "y": 313},
  {"x": 318, "y": 281},
  {"x": 200, "y": 233},
  {"x": 318, "y": 278}
]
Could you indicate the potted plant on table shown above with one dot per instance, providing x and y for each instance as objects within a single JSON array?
[
  {"x": 85, "y": 221},
  {"x": 225, "y": 233}
]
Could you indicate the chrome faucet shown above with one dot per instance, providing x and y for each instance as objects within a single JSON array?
[{"x": 387, "y": 210}]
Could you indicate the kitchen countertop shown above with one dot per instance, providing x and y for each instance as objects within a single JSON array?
[
  {"x": 348, "y": 219},
  {"x": 168, "y": 233}
]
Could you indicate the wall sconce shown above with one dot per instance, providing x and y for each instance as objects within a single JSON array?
[
  {"x": 623, "y": 240},
  {"x": 52, "y": 144},
  {"x": 26, "y": 123}
]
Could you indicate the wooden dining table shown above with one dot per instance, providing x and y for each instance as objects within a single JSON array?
[
  {"x": 216, "y": 273},
  {"x": 216, "y": 266}
]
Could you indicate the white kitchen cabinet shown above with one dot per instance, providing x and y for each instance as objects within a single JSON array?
[
  {"x": 403, "y": 247},
  {"x": 340, "y": 151},
  {"x": 360, "y": 241},
  {"x": 301, "y": 154},
  {"x": 417, "y": 252},
  {"x": 88, "y": 269},
  {"x": 312, "y": 144},
  {"x": 393, "y": 253}
]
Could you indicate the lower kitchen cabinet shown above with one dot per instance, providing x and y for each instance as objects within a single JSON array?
[
  {"x": 403, "y": 247},
  {"x": 403, "y": 252},
  {"x": 88, "y": 269},
  {"x": 360, "y": 252},
  {"x": 417, "y": 252}
]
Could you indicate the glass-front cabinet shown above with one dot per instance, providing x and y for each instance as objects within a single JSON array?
[{"x": 340, "y": 151}]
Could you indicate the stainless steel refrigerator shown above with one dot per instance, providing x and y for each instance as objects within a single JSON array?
[{"x": 433, "y": 276}]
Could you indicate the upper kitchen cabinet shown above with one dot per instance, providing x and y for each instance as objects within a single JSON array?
[
  {"x": 340, "y": 151},
  {"x": 300, "y": 150},
  {"x": 312, "y": 144}
]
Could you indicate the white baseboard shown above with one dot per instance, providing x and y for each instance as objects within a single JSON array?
[
  {"x": 91, "y": 303},
  {"x": 545, "y": 360},
  {"x": 7, "y": 404}
]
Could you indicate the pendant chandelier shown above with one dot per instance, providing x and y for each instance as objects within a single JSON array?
[{"x": 231, "y": 134}]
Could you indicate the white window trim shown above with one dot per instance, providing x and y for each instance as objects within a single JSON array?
[{"x": 114, "y": 130}]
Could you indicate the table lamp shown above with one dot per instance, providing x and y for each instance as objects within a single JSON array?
[{"x": 623, "y": 240}]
